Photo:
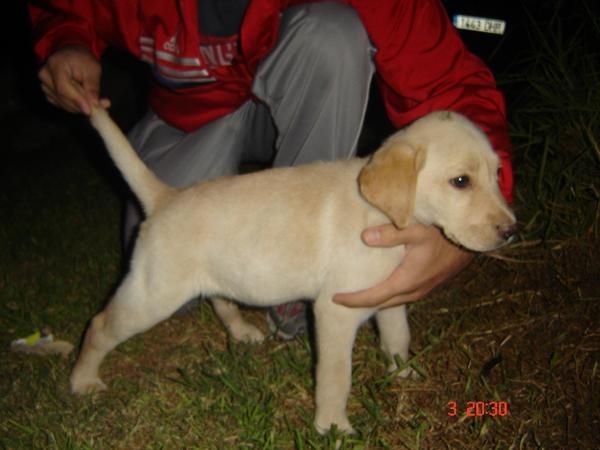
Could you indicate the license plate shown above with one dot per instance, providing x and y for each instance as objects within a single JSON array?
[{"x": 480, "y": 24}]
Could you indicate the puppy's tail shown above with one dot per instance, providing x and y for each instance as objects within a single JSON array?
[{"x": 145, "y": 185}]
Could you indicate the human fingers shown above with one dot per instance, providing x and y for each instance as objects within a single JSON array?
[
  {"x": 73, "y": 75},
  {"x": 371, "y": 298},
  {"x": 54, "y": 99},
  {"x": 403, "y": 299},
  {"x": 398, "y": 289},
  {"x": 105, "y": 103},
  {"x": 388, "y": 235},
  {"x": 76, "y": 91},
  {"x": 47, "y": 85},
  {"x": 67, "y": 91},
  {"x": 88, "y": 77},
  {"x": 365, "y": 298},
  {"x": 45, "y": 77},
  {"x": 92, "y": 95}
]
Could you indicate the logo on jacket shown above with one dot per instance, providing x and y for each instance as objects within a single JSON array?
[{"x": 171, "y": 45}]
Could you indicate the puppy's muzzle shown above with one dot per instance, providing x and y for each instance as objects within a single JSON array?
[{"x": 507, "y": 231}]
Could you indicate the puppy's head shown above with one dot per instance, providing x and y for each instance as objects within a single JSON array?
[{"x": 441, "y": 170}]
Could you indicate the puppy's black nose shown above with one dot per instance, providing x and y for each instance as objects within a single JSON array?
[{"x": 507, "y": 231}]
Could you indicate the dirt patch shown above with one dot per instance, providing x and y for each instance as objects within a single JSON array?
[{"x": 524, "y": 331}]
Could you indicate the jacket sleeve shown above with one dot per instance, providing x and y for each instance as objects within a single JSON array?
[
  {"x": 424, "y": 66},
  {"x": 59, "y": 23}
]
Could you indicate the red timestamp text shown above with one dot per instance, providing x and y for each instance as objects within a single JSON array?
[{"x": 479, "y": 409}]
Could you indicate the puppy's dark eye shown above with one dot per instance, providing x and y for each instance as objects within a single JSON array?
[{"x": 461, "y": 182}]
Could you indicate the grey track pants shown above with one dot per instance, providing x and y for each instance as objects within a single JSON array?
[{"x": 314, "y": 89}]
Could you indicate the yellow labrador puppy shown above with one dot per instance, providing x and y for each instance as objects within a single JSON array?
[{"x": 279, "y": 235}]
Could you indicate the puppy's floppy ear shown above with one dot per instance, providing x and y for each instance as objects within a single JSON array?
[{"x": 389, "y": 180}]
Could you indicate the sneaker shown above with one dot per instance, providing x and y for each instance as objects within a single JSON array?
[{"x": 288, "y": 320}]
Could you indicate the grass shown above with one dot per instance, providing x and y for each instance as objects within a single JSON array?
[
  {"x": 555, "y": 118},
  {"x": 521, "y": 328}
]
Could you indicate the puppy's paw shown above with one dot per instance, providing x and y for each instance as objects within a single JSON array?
[
  {"x": 81, "y": 386},
  {"x": 343, "y": 425},
  {"x": 246, "y": 332},
  {"x": 408, "y": 372}
]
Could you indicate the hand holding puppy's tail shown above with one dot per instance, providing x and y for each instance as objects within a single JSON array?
[{"x": 144, "y": 184}]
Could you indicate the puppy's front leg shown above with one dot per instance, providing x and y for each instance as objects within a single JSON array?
[
  {"x": 335, "y": 328},
  {"x": 394, "y": 333}
]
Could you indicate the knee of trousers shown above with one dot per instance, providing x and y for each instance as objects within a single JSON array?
[{"x": 331, "y": 38}]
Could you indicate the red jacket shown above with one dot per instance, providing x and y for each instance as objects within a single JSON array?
[{"x": 421, "y": 62}]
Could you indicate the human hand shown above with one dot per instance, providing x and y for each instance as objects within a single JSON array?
[
  {"x": 430, "y": 260},
  {"x": 71, "y": 80}
]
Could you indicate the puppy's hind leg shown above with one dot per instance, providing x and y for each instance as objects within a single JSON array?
[
  {"x": 239, "y": 329},
  {"x": 134, "y": 308},
  {"x": 394, "y": 334}
]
